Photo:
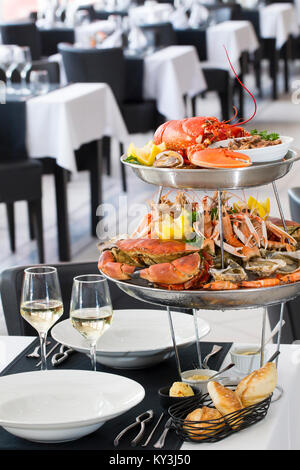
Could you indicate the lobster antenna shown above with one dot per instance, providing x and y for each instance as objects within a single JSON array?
[
  {"x": 245, "y": 88},
  {"x": 233, "y": 117}
]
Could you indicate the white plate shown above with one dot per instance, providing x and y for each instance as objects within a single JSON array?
[
  {"x": 262, "y": 155},
  {"x": 63, "y": 405},
  {"x": 136, "y": 339}
]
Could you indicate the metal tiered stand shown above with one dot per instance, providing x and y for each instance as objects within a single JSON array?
[{"x": 217, "y": 180}]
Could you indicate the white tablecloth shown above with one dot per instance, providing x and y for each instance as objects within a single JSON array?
[
  {"x": 278, "y": 20},
  {"x": 61, "y": 121},
  {"x": 236, "y": 36},
  {"x": 280, "y": 430},
  {"x": 297, "y": 6},
  {"x": 84, "y": 33},
  {"x": 151, "y": 13},
  {"x": 169, "y": 74}
]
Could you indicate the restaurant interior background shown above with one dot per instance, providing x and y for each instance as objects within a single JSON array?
[{"x": 281, "y": 115}]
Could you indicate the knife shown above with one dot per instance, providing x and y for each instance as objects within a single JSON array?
[{"x": 161, "y": 441}]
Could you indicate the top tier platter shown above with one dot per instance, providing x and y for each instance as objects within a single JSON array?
[{"x": 210, "y": 179}]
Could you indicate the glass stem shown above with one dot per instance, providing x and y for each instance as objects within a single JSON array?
[
  {"x": 8, "y": 78},
  {"x": 23, "y": 80},
  {"x": 93, "y": 356},
  {"x": 43, "y": 338}
]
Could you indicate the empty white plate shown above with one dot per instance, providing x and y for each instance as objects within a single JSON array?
[
  {"x": 136, "y": 339},
  {"x": 63, "y": 405}
]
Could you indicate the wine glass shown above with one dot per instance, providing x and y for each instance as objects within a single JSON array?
[
  {"x": 91, "y": 309},
  {"x": 39, "y": 82},
  {"x": 41, "y": 302},
  {"x": 24, "y": 65},
  {"x": 8, "y": 64}
]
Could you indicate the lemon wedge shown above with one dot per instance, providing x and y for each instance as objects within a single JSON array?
[
  {"x": 263, "y": 208},
  {"x": 145, "y": 155},
  {"x": 174, "y": 229}
]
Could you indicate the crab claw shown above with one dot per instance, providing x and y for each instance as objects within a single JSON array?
[
  {"x": 177, "y": 272},
  {"x": 217, "y": 158},
  {"x": 118, "y": 271}
]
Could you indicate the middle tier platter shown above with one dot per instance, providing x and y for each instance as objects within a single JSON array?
[
  {"x": 258, "y": 174},
  {"x": 209, "y": 300}
]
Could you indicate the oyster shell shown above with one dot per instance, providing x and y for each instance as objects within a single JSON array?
[
  {"x": 234, "y": 273},
  {"x": 168, "y": 159},
  {"x": 291, "y": 259},
  {"x": 265, "y": 267}
]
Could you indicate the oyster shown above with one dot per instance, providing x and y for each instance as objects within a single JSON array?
[
  {"x": 234, "y": 273},
  {"x": 265, "y": 267},
  {"x": 168, "y": 159},
  {"x": 291, "y": 259}
]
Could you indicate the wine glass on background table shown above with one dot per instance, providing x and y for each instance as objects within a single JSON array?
[
  {"x": 24, "y": 63},
  {"x": 8, "y": 64},
  {"x": 91, "y": 309},
  {"x": 39, "y": 82},
  {"x": 41, "y": 302}
]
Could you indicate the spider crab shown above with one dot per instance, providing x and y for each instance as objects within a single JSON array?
[{"x": 171, "y": 264}]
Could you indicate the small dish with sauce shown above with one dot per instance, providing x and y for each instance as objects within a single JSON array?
[
  {"x": 245, "y": 358},
  {"x": 198, "y": 378}
]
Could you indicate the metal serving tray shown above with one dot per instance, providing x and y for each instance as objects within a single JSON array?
[
  {"x": 210, "y": 300},
  {"x": 257, "y": 174}
]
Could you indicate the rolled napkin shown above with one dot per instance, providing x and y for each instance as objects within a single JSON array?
[
  {"x": 199, "y": 15},
  {"x": 114, "y": 40},
  {"x": 179, "y": 19}
]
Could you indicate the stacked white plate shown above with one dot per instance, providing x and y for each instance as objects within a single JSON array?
[{"x": 136, "y": 339}]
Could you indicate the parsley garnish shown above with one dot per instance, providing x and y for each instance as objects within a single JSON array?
[
  {"x": 265, "y": 135},
  {"x": 132, "y": 159}
]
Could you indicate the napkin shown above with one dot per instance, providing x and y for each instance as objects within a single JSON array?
[
  {"x": 179, "y": 19},
  {"x": 114, "y": 40},
  {"x": 199, "y": 15}
]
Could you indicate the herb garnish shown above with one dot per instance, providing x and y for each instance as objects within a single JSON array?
[
  {"x": 265, "y": 135},
  {"x": 132, "y": 159}
]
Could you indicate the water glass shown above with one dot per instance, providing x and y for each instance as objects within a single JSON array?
[
  {"x": 39, "y": 82},
  {"x": 24, "y": 63},
  {"x": 41, "y": 302},
  {"x": 91, "y": 309}
]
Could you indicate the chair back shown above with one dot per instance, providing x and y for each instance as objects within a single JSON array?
[
  {"x": 51, "y": 67},
  {"x": 163, "y": 34},
  {"x": 12, "y": 132},
  {"x": 11, "y": 285},
  {"x": 22, "y": 34},
  {"x": 193, "y": 37},
  {"x": 95, "y": 65},
  {"x": 50, "y": 38}
]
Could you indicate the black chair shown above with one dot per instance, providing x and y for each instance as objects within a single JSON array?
[
  {"x": 51, "y": 67},
  {"x": 217, "y": 80},
  {"x": 22, "y": 34},
  {"x": 50, "y": 38},
  {"x": 162, "y": 34},
  {"x": 20, "y": 177},
  {"x": 11, "y": 285},
  {"x": 294, "y": 200},
  {"x": 109, "y": 66}
]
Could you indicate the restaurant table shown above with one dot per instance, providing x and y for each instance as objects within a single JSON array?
[
  {"x": 280, "y": 430},
  {"x": 58, "y": 124},
  {"x": 151, "y": 13},
  {"x": 167, "y": 75},
  {"x": 84, "y": 32}
]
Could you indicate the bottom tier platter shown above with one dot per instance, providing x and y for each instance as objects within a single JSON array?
[{"x": 210, "y": 300}]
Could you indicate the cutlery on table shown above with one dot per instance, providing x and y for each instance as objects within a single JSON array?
[
  {"x": 61, "y": 356},
  {"x": 274, "y": 356},
  {"x": 222, "y": 370},
  {"x": 141, "y": 420},
  {"x": 216, "y": 348},
  {"x": 48, "y": 353},
  {"x": 153, "y": 431},
  {"x": 35, "y": 353},
  {"x": 161, "y": 441}
]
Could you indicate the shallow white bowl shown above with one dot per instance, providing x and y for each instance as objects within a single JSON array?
[
  {"x": 200, "y": 384},
  {"x": 246, "y": 364},
  {"x": 262, "y": 155},
  {"x": 136, "y": 339},
  {"x": 63, "y": 405}
]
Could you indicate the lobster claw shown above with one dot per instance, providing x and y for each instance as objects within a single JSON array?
[{"x": 218, "y": 158}]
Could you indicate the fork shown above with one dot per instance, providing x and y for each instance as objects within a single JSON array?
[{"x": 35, "y": 353}]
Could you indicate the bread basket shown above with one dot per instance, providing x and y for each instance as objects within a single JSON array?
[{"x": 217, "y": 429}]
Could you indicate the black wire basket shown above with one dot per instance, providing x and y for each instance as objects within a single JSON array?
[{"x": 216, "y": 429}]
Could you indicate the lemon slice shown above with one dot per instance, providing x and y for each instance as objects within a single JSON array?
[
  {"x": 263, "y": 208},
  {"x": 145, "y": 155}
]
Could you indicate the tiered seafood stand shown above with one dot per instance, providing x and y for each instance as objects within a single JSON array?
[{"x": 218, "y": 180}]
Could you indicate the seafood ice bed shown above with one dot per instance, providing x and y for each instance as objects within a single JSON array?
[{"x": 177, "y": 248}]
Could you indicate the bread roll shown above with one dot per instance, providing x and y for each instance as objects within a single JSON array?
[
  {"x": 202, "y": 430},
  {"x": 258, "y": 385},
  {"x": 224, "y": 399}
]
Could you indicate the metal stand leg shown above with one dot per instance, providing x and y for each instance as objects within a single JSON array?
[
  {"x": 174, "y": 343},
  {"x": 280, "y": 329},
  {"x": 263, "y": 336},
  {"x": 159, "y": 194},
  {"x": 197, "y": 338},
  {"x": 221, "y": 226},
  {"x": 279, "y": 205}
]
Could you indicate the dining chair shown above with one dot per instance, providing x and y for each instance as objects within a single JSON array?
[
  {"x": 20, "y": 176},
  {"x": 218, "y": 80},
  {"x": 11, "y": 285},
  {"x": 22, "y": 34},
  {"x": 109, "y": 66},
  {"x": 161, "y": 34},
  {"x": 51, "y": 37}
]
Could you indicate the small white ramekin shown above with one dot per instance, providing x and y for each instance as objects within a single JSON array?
[
  {"x": 249, "y": 363},
  {"x": 200, "y": 384}
]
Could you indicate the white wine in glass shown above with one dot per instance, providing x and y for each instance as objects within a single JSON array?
[
  {"x": 91, "y": 310},
  {"x": 41, "y": 302}
]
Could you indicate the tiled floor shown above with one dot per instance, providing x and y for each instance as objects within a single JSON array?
[{"x": 242, "y": 326}]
